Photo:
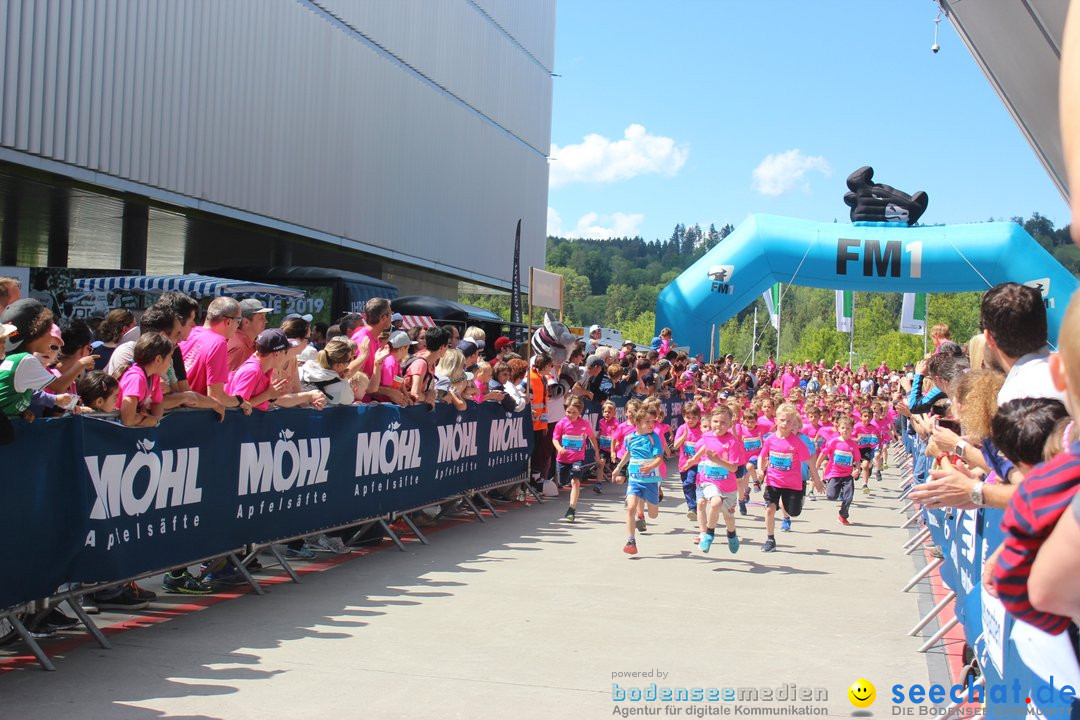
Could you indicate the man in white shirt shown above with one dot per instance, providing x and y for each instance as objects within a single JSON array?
[{"x": 1013, "y": 318}]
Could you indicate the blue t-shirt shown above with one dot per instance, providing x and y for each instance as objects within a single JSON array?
[{"x": 642, "y": 448}]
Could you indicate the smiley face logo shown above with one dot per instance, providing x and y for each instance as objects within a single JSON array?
[{"x": 862, "y": 693}]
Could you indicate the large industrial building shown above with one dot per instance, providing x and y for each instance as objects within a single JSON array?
[{"x": 401, "y": 139}]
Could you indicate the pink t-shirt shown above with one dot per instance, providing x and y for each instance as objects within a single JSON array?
[
  {"x": 841, "y": 456},
  {"x": 607, "y": 433},
  {"x": 765, "y": 426},
  {"x": 814, "y": 433},
  {"x": 249, "y": 380},
  {"x": 884, "y": 428},
  {"x": 711, "y": 473},
  {"x": 786, "y": 456},
  {"x": 390, "y": 373},
  {"x": 134, "y": 383},
  {"x": 663, "y": 430},
  {"x": 686, "y": 451},
  {"x": 752, "y": 439},
  {"x": 619, "y": 436},
  {"x": 362, "y": 332},
  {"x": 788, "y": 381},
  {"x": 866, "y": 435},
  {"x": 572, "y": 435},
  {"x": 206, "y": 359}
]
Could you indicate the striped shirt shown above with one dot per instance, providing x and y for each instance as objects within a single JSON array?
[{"x": 1033, "y": 512}]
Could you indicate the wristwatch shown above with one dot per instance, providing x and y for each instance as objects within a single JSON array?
[
  {"x": 960, "y": 448},
  {"x": 977, "y": 494}
]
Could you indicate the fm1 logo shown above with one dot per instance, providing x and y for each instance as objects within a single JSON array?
[{"x": 881, "y": 259}]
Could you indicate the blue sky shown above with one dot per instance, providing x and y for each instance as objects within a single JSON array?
[{"x": 664, "y": 110}]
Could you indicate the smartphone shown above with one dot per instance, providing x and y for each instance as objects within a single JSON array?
[{"x": 949, "y": 424}]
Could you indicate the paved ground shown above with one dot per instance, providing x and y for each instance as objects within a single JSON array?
[{"x": 523, "y": 617}]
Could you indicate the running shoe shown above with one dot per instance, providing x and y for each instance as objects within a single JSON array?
[
  {"x": 813, "y": 495},
  {"x": 58, "y": 620},
  {"x": 691, "y": 515},
  {"x": 569, "y": 517},
  {"x": 878, "y": 478},
  {"x": 757, "y": 487},
  {"x": 228, "y": 575},
  {"x": 706, "y": 543},
  {"x": 140, "y": 593},
  {"x": 733, "y": 543},
  {"x": 596, "y": 489},
  {"x": 697, "y": 538},
  {"x": 742, "y": 507},
  {"x": 324, "y": 543},
  {"x": 660, "y": 494},
  {"x": 641, "y": 526},
  {"x": 769, "y": 546},
  {"x": 842, "y": 520},
  {"x": 185, "y": 584},
  {"x": 303, "y": 553},
  {"x": 124, "y": 600},
  {"x": 785, "y": 524},
  {"x": 630, "y": 548},
  {"x": 865, "y": 489},
  {"x": 88, "y": 605}
]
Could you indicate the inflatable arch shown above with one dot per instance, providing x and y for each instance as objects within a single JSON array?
[{"x": 882, "y": 257}]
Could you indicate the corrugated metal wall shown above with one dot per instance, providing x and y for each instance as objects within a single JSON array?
[{"x": 419, "y": 126}]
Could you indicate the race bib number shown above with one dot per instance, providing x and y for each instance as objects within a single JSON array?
[
  {"x": 713, "y": 472},
  {"x": 780, "y": 461},
  {"x": 605, "y": 442},
  {"x": 867, "y": 440},
  {"x": 635, "y": 473},
  {"x": 689, "y": 449},
  {"x": 842, "y": 458},
  {"x": 572, "y": 442},
  {"x": 751, "y": 443}
]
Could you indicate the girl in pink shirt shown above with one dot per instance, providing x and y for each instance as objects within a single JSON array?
[
  {"x": 569, "y": 438},
  {"x": 837, "y": 457},
  {"x": 140, "y": 385},
  {"x": 607, "y": 426},
  {"x": 782, "y": 457},
  {"x": 752, "y": 440}
]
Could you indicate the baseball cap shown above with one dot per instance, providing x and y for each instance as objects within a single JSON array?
[
  {"x": 656, "y": 342},
  {"x": 593, "y": 361},
  {"x": 469, "y": 347},
  {"x": 695, "y": 367},
  {"x": 273, "y": 340},
  {"x": 55, "y": 332},
  {"x": 7, "y": 330},
  {"x": 306, "y": 318},
  {"x": 502, "y": 342},
  {"x": 593, "y": 328},
  {"x": 399, "y": 339},
  {"x": 21, "y": 315},
  {"x": 629, "y": 343},
  {"x": 250, "y": 307},
  {"x": 396, "y": 318}
]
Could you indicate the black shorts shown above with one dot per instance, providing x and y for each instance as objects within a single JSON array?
[
  {"x": 867, "y": 454},
  {"x": 791, "y": 499}
]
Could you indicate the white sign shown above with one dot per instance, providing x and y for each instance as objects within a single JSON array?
[{"x": 545, "y": 289}]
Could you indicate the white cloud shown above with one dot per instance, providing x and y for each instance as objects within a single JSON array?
[
  {"x": 598, "y": 159},
  {"x": 594, "y": 226},
  {"x": 786, "y": 171}
]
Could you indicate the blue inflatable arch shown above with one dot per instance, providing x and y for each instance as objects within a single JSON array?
[{"x": 881, "y": 257}]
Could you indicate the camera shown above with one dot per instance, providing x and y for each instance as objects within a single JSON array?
[{"x": 934, "y": 48}]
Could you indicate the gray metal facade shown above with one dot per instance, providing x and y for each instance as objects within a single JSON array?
[{"x": 418, "y": 129}]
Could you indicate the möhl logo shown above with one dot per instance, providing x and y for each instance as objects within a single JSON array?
[
  {"x": 131, "y": 484},
  {"x": 282, "y": 465},
  {"x": 508, "y": 434},
  {"x": 392, "y": 450},
  {"x": 457, "y": 441}
]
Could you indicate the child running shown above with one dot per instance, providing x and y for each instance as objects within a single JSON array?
[
  {"x": 782, "y": 456},
  {"x": 686, "y": 443},
  {"x": 644, "y": 456},
  {"x": 838, "y": 458},
  {"x": 569, "y": 442},
  {"x": 866, "y": 437},
  {"x": 717, "y": 488},
  {"x": 606, "y": 428}
]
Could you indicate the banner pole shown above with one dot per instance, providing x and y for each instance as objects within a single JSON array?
[
  {"x": 753, "y": 340},
  {"x": 851, "y": 334},
  {"x": 779, "y": 316},
  {"x": 925, "y": 321},
  {"x": 712, "y": 341}
]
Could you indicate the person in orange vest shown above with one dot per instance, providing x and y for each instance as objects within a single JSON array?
[{"x": 542, "y": 447}]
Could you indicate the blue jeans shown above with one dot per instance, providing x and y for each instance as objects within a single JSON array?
[{"x": 689, "y": 487}]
